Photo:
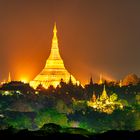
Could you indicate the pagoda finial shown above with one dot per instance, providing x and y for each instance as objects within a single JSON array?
[
  {"x": 54, "y": 39},
  {"x": 55, "y": 29}
]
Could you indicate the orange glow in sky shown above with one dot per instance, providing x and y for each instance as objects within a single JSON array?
[
  {"x": 94, "y": 37},
  {"x": 24, "y": 80}
]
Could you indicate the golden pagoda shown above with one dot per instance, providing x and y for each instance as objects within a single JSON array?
[
  {"x": 101, "y": 80},
  {"x": 104, "y": 95},
  {"x": 54, "y": 70}
]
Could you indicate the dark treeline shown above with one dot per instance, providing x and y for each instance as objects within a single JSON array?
[
  {"x": 22, "y": 107},
  {"x": 53, "y": 131}
]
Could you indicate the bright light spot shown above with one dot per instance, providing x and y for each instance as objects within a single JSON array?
[
  {"x": 3, "y": 82},
  {"x": 6, "y": 92},
  {"x": 36, "y": 92},
  {"x": 24, "y": 80},
  {"x": 1, "y": 116}
]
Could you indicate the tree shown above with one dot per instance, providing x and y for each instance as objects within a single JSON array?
[
  {"x": 19, "y": 121},
  {"x": 61, "y": 107},
  {"x": 42, "y": 118},
  {"x": 50, "y": 116},
  {"x": 51, "y": 128},
  {"x": 113, "y": 97},
  {"x": 138, "y": 98},
  {"x": 131, "y": 79}
]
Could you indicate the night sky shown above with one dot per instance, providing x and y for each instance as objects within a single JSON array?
[{"x": 94, "y": 37}]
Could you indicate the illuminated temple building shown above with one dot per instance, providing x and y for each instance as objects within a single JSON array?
[
  {"x": 54, "y": 70},
  {"x": 105, "y": 103}
]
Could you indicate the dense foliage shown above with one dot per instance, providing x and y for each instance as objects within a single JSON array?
[{"x": 67, "y": 106}]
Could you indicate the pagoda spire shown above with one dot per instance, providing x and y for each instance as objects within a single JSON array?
[
  {"x": 54, "y": 49},
  {"x": 55, "y": 29},
  {"x": 9, "y": 78},
  {"x": 101, "y": 80},
  {"x": 120, "y": 83},
  {"x": 55, "y": 39},
  {"x": 104, "y": 89},
  {"x": 91, "y": 81}
]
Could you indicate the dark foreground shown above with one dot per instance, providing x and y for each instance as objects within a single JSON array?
[{"x": 72, "y": 134}]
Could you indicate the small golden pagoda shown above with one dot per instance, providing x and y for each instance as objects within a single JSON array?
[
  {"x": 101, "y": 80},
  {"x": 104, "y": 95},
  {"x": 120, "y": 83},
  {"x": 54, "y": 70},
  {"x": 9, "y": 78}
]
